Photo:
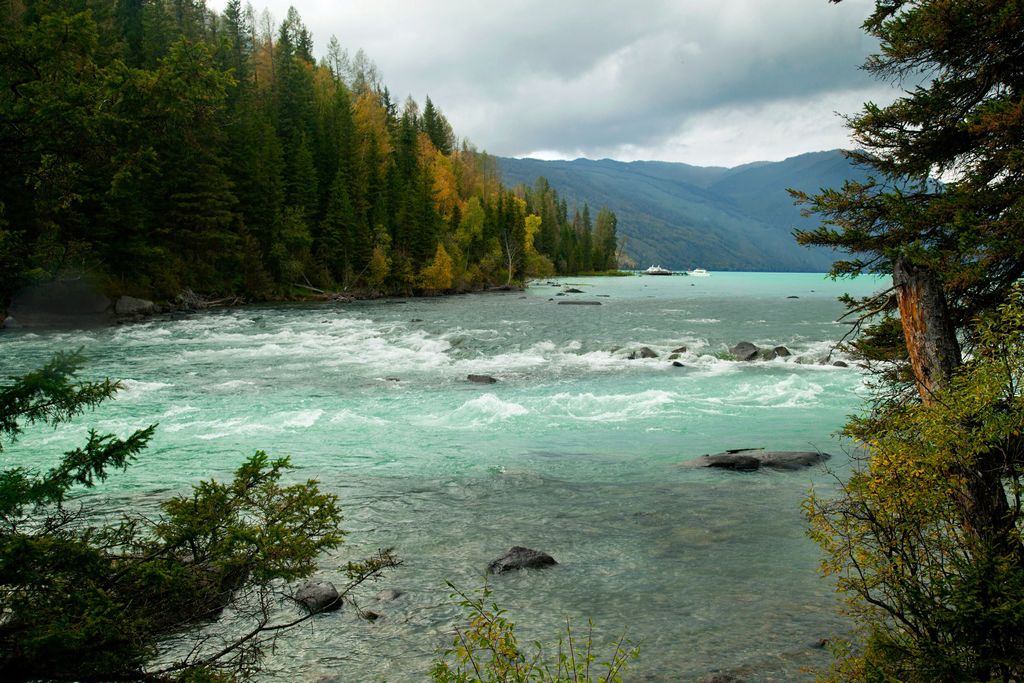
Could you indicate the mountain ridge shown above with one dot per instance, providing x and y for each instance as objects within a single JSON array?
[{"x": 682, "y": 216}]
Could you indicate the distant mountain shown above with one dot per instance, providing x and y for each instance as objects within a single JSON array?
[{"x": 683, "y": 216}]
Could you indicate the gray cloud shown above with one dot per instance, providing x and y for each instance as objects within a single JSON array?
[{"x": 704, "y": 82}]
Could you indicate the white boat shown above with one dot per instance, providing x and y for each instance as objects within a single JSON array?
[
  {"x": 657, "y": 270},
  {"x": 699, "y": 272}
]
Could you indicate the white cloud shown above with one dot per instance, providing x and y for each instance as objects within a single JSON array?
[{"x": 722, "y": 82}]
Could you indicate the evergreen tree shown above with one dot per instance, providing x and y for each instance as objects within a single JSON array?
[{"x": 925, "y": 537}]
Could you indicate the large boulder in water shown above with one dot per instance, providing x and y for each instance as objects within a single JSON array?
[
  {"x": 129, "y": 305},
  {"x": 63, "y": 303},
  {"x": 750, "y": 459},
  {"x": 519, "y": 557},
  {"x": 481, "y": 379},
  {"x": 318, "y": 596},
  {"x": 744, "y": 351}
]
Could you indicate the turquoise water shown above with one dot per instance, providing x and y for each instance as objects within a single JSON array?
[{"x": 577, "y": 451}]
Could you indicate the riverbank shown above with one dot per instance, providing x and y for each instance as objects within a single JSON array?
[{"x": 79, "y": 303}]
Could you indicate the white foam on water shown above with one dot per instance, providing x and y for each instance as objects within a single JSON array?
[
  {"x": 553, "y": 358},
  {"x": 702, "y": 321},
  {"x": 352, "y": 417},
  {"x": 174, "y": 411},
  {"x": 332, "y": 343},
  {"x": 136, "y": 387},
  {"x": 484, "y": 410},
  {"x": 792, "y": 391},
  {"x": 589, "y": 407},
  {"x": 232, "y": 385},
  {"x": 299, "y": 418},
  {"x": 206, "y": 430}
]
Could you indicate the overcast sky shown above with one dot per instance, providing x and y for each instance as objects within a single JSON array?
[{"x": 706, "y": 82}]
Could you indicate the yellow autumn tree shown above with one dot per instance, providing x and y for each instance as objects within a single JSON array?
[
  {"x": 372, "y": 125},
  {"x": 537, "y": 264},
  {"x": 437, "y": 275},
  {"x": 380, "y": 266}
]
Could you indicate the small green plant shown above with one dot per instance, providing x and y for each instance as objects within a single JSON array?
[{"x": 487, "y": 650}]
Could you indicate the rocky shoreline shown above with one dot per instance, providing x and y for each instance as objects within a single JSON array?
[{"x": 77, "y": 303}]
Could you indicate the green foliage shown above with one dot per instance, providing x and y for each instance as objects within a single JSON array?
[
  {"x": 159, "y": 146},
  {"x": 86, "y": 597},
  {"x": 936, "y": 603},
  {"x": 926, "y": 537},
  {"x": 487, "y": 650},
  {"x": 962, "y": 125}
]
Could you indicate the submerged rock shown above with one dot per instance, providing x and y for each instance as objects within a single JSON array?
[
  {"x": 580, "y": 303},
  {"x": 389, "y": 595},
  {"x": 720, "y": 678},
  {"x": 744, "y": 351},
  {"x": 681, "y": 349},
  {"x": 782, "y": 352},
  {"x": 840, "y": 364},
  {"x": 750, "y": 459},
  {"x": 642, "y": 352},
  {"x": 481, "y": 379},
  {"x": 319, "y": 596},
  {"x": 573, "y": 290},
  {"x": 519, "y": 557}
]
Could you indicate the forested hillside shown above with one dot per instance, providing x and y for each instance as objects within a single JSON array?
[
  {"x": 159, "y": 146},
  {"x": 683, "y": 216}
]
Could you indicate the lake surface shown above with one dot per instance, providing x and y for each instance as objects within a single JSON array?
[{"x": 576, "y": 451}]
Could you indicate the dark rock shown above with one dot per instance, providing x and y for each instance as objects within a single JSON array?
[
  {"x": 9, "y": 322},
  {"x": 370, "y": 615},
  {"x": 673, "y": 356},
  {"x": 319, "y": 596},
  {"x": 820, "y": 644},
  {"x": 767, "y": 354},
  {"x": 840, "y": 364},
  {"x": 66, "y": 303},
  {"x": 792, "y": 296},
  {"x": 560, "y": 294},
  {"x": 744, "y": 351},
  {"x": 720, "y": 678},
  {"x": 519, "y": 557},
  {"x": 580, "y": 303},
  {"x": 129, "y": 305},
  {"x": 681, "y": 349},
  {"x": 416, "y": 320},
  {"x": 792, "y": 460},
  {"x": 392, "y": 379},
  {"x": 645, "y": 352},
  {"x": 677, "y": 364},
  {"x": 573, "y": 290},
  {"x": 782, "y": 352},
  {"x": 389, "y": 595},
  {"x": 726, "y": 461},
  {"x": 481, "y": 379},
  {"x": 748, "y": 459}
]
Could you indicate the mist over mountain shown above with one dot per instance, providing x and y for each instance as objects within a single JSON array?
[{"x": 682, "y": 216}]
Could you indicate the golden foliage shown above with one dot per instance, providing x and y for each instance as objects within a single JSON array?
[
  {"x": 372, "y": 123},
  {"x": 437, "y": 275}
]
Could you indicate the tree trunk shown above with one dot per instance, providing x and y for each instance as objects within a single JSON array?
[
  {"x": 934, "y": 356},
  {"x": 929, "y": 332}
]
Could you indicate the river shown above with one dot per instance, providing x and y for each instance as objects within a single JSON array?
[{"x": 576, "y": 450}]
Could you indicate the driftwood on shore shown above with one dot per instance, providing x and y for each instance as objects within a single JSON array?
[{"x": 189, "y": 300}]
